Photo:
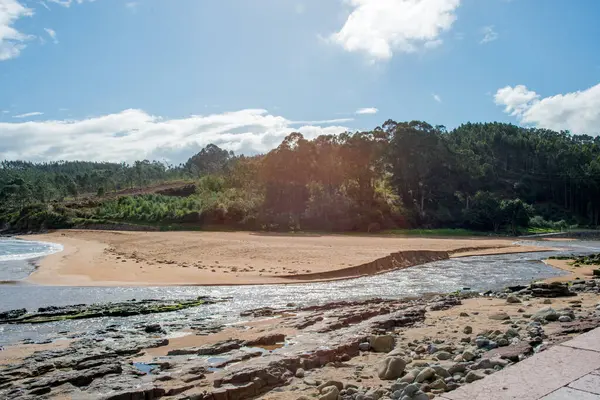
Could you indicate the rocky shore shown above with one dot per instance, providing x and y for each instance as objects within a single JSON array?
[
  {"x": 85, "y": 311},
  {"x": 409, "y": 349}
]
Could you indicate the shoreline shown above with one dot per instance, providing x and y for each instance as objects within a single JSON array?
[
  {"x": 145, "y": 259},
  {"x": 575, "y": 273},
  {"x": 455, "y": 339}
]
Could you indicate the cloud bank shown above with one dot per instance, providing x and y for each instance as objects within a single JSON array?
[{"x": 134, "y": 134}]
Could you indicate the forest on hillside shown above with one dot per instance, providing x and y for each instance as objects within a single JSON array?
[{"x": 484, "y": 176}]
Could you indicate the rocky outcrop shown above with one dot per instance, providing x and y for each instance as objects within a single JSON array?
[
  {"x": 555, "y": 289},
  {"x": 86, "y": 311}
]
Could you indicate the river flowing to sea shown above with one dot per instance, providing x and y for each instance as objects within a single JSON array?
[{"x": 469, "y": 273}]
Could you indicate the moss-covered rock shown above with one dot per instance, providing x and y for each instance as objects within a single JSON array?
[{"x": 85, "y": 311}]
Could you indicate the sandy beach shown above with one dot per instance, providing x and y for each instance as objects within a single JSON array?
[
  {"x": 108, "y": 258},
  {"x": 583, "y": 272}
]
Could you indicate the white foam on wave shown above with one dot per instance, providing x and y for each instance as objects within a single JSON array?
[{"x": 46, "y": 249}]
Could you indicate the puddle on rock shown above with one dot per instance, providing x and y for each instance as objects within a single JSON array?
[{"x": 144, "y": 367}]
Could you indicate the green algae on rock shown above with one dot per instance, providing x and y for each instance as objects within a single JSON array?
[{"x": 83, "y": 311}]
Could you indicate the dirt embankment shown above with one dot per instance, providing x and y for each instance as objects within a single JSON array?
[
  {"x": 399, "y": 260},
  {"x": 107, "y": 258}
]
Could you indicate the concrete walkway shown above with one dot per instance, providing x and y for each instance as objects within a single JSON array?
[{"x": 569, "y": 371}]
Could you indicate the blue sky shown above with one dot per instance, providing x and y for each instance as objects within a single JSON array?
[{"x": 121, "y": 80}]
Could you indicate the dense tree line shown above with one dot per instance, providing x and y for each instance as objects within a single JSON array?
[
  {"x": 488, "y": 177},
  {"x": 23, "y": 182}
]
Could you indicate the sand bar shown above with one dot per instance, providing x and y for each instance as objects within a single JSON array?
[{"x": 109, "y": 258}]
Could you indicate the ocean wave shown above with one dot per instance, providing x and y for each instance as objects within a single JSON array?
[{"x": 25, "y": 250}]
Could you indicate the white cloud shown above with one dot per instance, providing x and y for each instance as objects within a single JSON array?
[
  {"x": 381, "y": 27},
  {"x": 52, "y": 34},
  {"x": 437, "y": 98},
  {"x": 134, "y": 134},
  {"x": 67, "y": 3},
  {"x": 517, "y": 100},
  {"x": 578, "y": 112},
  {"x": 30, "y": 114},
  {"x": 433, "y": 44},
  {"x": 323, "y": 122},
  {"x": 132, "y": 5},
  {"x": 11, "y": 40},
  {"x": 369, "y": 110},
  {"x": 489, "y": 34}
]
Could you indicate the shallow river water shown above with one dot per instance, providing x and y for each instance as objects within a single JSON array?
[{"x": 474, "y": 273}]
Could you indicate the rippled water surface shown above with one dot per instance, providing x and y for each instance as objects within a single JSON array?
[{"x": 476, "y": 273}]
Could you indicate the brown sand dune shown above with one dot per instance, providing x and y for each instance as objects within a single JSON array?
[{"x": 108, "y": 258}]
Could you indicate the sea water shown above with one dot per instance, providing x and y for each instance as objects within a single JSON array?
[{"x": 17, "y": 257}]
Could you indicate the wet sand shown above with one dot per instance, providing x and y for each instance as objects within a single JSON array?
[
  {"x": 108, "y": 258},
  {"x": 582, "y": 272}
]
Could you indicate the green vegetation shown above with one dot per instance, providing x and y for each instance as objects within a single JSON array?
[
  {"x": 578, "y": 261},
  {"x": 405, "y": 178}
]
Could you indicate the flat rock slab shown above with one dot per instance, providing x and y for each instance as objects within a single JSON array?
[
  {"x": 589, "y": 383},
  {"x": 533, "y": 378},
  {"x": 511, "y": 352},
  {"x": 587, "y": 341},
  {"x": 570, "y": 394}
]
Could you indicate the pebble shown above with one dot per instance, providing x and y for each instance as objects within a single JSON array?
[{"x": 365, "y": 346}]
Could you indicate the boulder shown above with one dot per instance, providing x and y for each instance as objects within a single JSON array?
[
  {"x": 473, "y": 376},
  {"x": 410, "y": 376},
  {"x": 489, "y": 363},
  {"x": 153, "y": 328},
  {"x": 546, "y": 314},
  {"x": 391, "y": 368},
  {"x": 339, "y": 385},
  {"x": 512, "y": 299},
  {"x": 513, "y": 352},
  {"x": 555, "y": 289},
  {"x": 443, "y": 355},
  {"x": 468, "y": 355},
  {"x": 499, "y": 316},
  {"x": 382, "y": 344},
  {"x": 329, "y": 393},
  {"x": 426, "y": 374},
  {"x": 411, "y": 389}
]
